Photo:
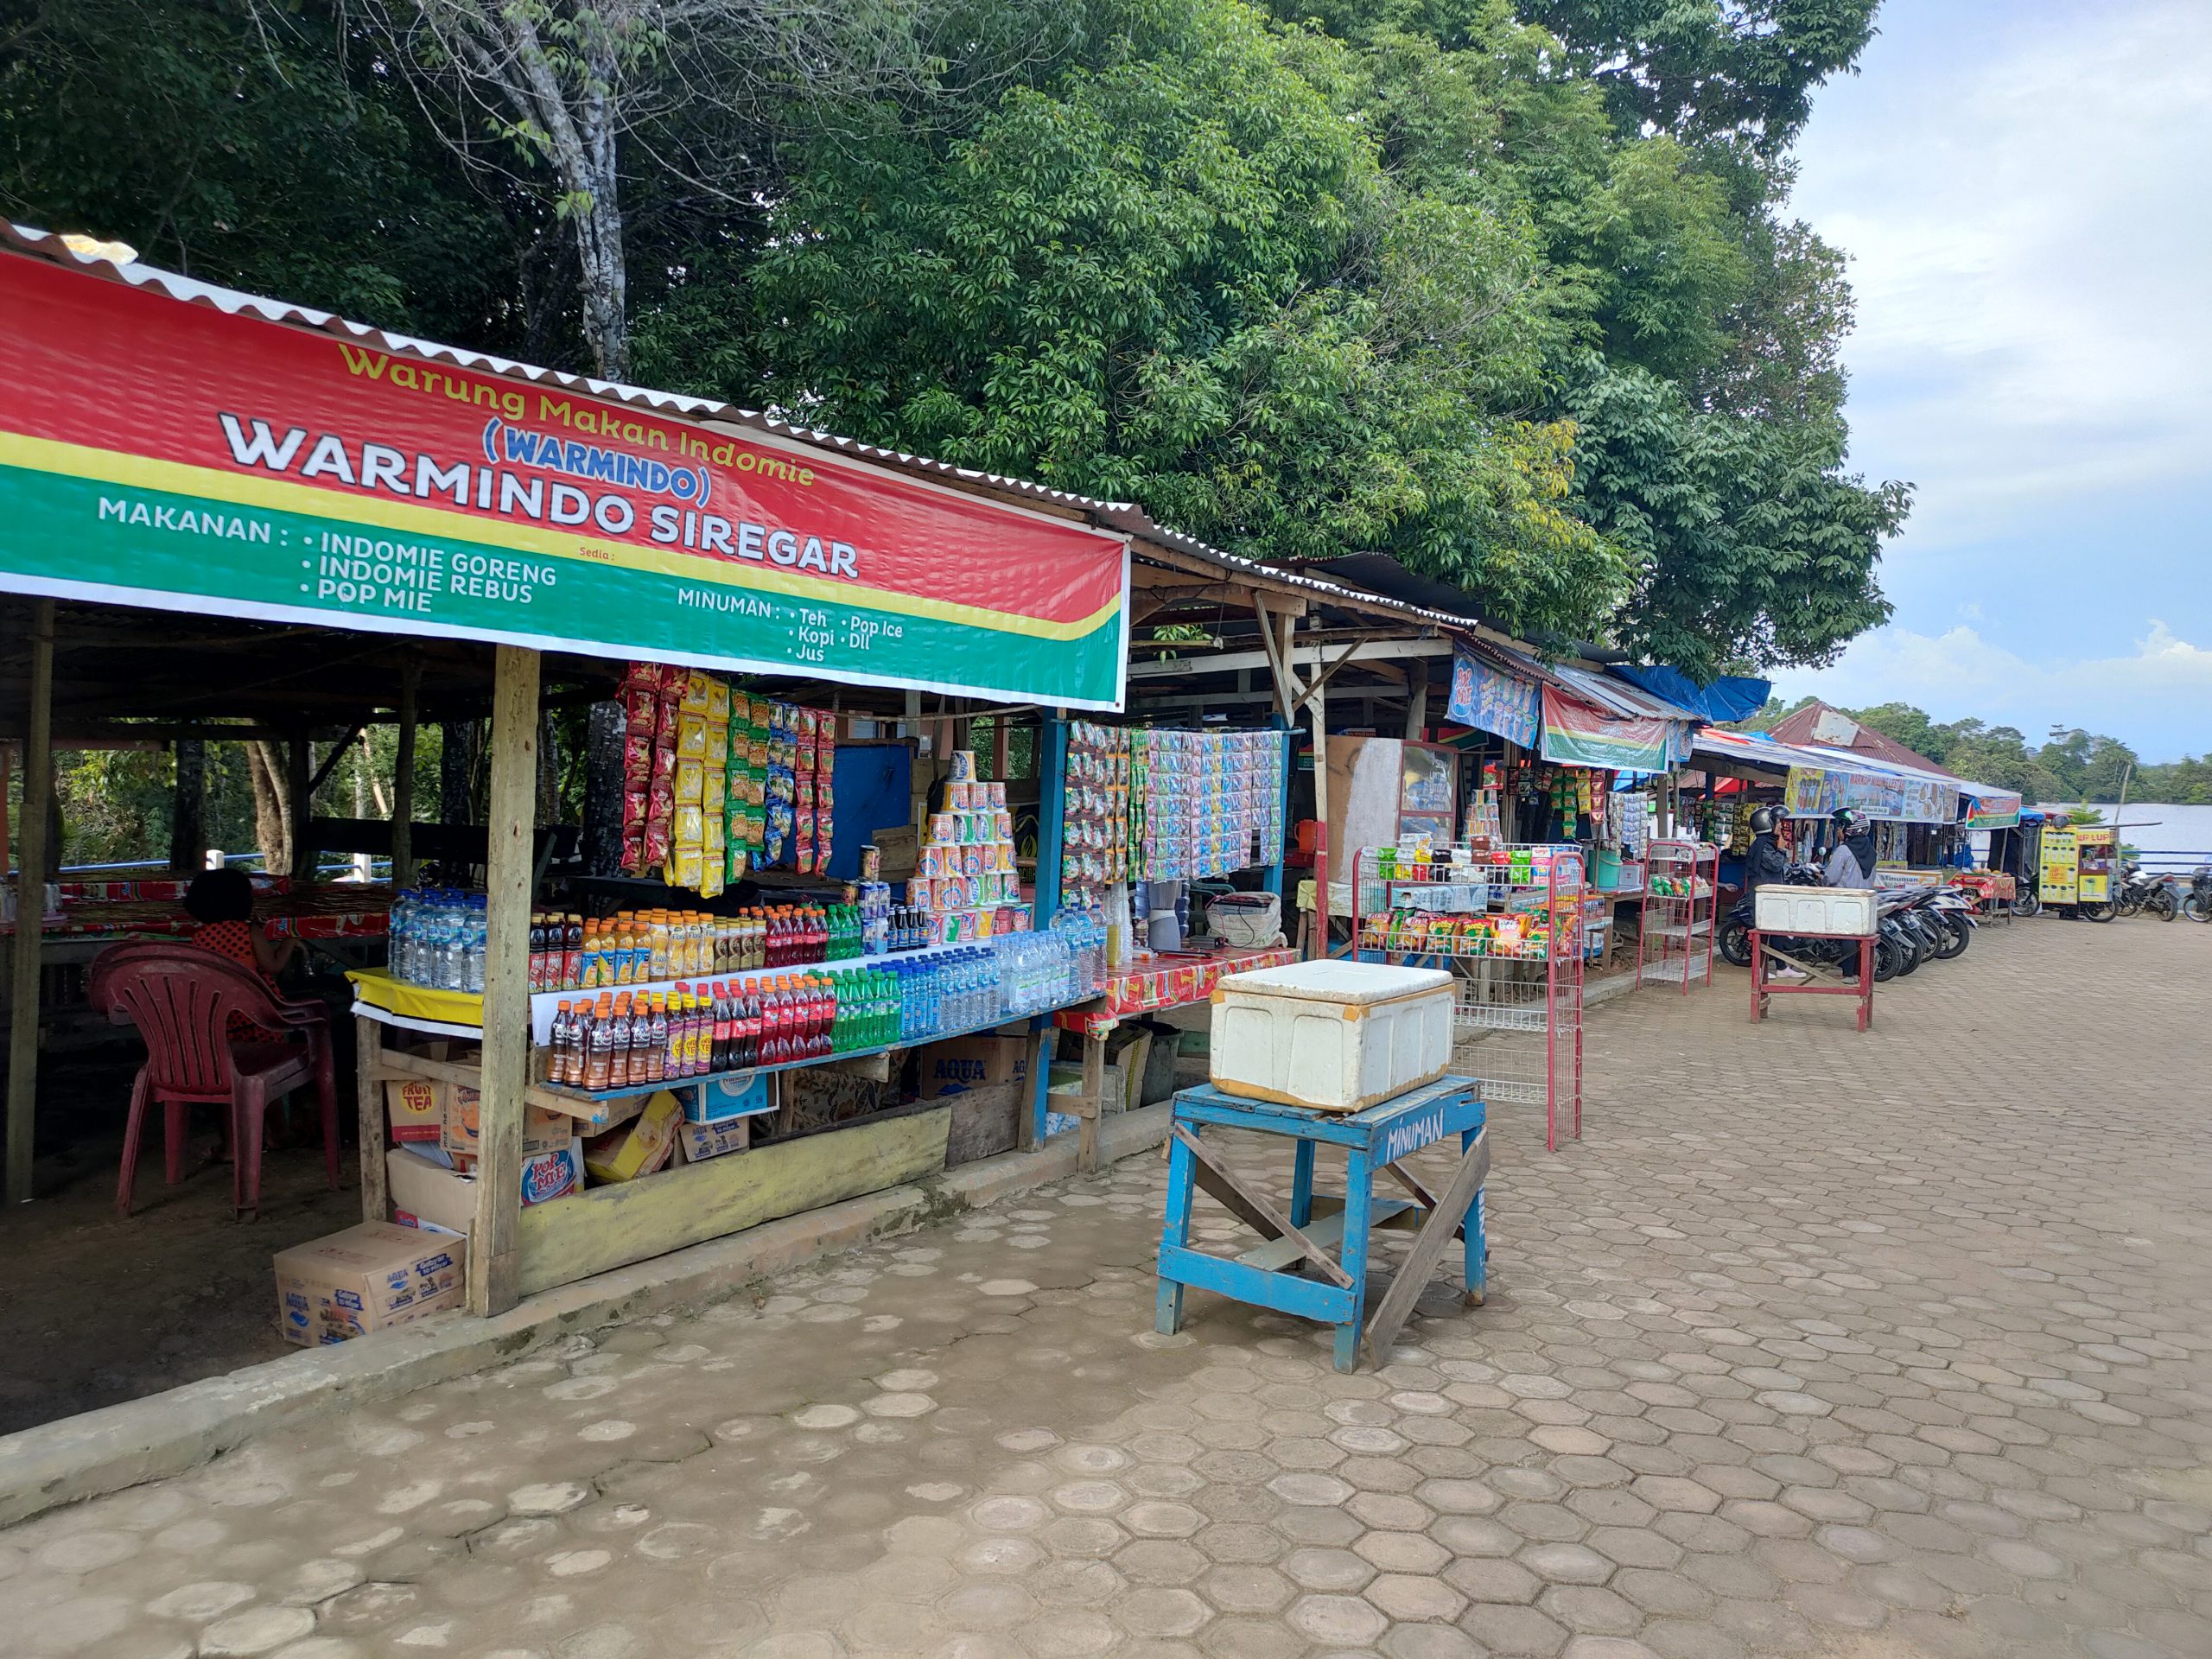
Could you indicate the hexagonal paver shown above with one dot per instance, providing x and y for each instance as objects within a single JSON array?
[
  {"x": 1337, "y": 1621},
  {"x": 1914, "y": 1373},
  {"x": 1157, "y": 1610},
  {"x": 1411, "y": 1598}
]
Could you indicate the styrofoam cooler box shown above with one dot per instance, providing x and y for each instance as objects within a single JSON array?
[
  {"x": 1336, "y": 1036},
  {"x": 1781, "y": 909}
]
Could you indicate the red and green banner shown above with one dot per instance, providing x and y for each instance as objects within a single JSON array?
[
  {"x": 1579, "y": 733},
  {"x": 161, "y": 453}
]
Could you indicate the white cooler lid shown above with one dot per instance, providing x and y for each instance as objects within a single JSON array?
[{"x": 1354, "y": 983}]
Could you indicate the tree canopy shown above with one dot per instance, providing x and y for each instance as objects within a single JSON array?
[{"x": 1512, "y": 293}]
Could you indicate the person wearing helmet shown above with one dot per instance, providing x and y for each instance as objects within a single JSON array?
[
  {"x": 1765, "y": 862},
  {"x": 1851, "y": 863}
]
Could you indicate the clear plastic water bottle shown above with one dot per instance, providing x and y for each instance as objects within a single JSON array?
[
  {"x": 453, "y": 966},
  {"x": 478, "y": 925}
]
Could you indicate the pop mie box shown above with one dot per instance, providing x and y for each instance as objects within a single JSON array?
[{"x": 368, "y": 1277}]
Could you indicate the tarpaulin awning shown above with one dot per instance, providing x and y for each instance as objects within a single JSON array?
[
  {"x": 1730, "y": 697},
  {"x": 1567, "y": 714},
  {"x": 1881, "y": 789},
  {"x": 1818, "y": 781}
]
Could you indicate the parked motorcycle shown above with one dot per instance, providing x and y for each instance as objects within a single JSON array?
[
  {"x": 2197, "y": 905},
  {"x": 2025, "y": 903},
  {"x": 2138, "y": 893}
]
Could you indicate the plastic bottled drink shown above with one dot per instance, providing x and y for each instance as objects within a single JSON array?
[{"x": 476, "y": 935}]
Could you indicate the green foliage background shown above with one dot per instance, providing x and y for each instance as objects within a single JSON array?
[{"x": 1511, "y": 291}]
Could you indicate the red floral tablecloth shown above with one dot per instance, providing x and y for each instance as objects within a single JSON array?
[{"x": 1165, "y": 982}]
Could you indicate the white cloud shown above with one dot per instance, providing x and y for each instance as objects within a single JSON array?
[
  {"x": 2027, "y": 202},
  {"x": 2155, "y": 695}
]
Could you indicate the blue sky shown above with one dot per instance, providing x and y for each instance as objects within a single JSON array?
[{"x": 2024, "y": 189}]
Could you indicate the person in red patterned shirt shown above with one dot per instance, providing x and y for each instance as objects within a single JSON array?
[{"x": 221, "y": 902}]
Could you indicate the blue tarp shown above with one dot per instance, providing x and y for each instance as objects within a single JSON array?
[{"x": 1734, "y": 698}]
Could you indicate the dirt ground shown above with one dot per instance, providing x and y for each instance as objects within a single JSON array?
[{"x": 100, "y": 1309}]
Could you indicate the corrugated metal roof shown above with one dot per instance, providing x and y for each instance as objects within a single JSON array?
[
  {"x": 1796, "y": 726},
  {"x": 1124, "y": 516}
]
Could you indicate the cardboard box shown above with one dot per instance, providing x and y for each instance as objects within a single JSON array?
[
  {"x": 729, "y": 1097},
  {"x": 414, "y": 1108},
  {"x": 640, "y": 1146},
  {"x": 697, "y": 1142},
  {"x": 901, "y": 847},
  {"x": 443, "y": 1198},
  {"x": 963, "y": 1062},
  {"x": 554, "y": 1174},
  {"x": 542, "y": 1131},
  {"x": 367, "y": 1278}
]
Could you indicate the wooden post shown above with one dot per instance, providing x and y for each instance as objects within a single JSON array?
[
  {"x": 403, "y": 806},
  {"x": 494, "y": 1270},
  {"x": 30, "y": 905},
  {"x": 1417, "y": 699},
  {"x": 368, "y": 1088},
  {"x": 1093, "y": 1103},
  {"x": 299, "y": 795},
  {"x": 1317, "y": 702},
  {"x": 188, "y": 823}
]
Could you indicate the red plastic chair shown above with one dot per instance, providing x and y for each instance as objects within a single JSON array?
[{"x": 181, "y": 999}]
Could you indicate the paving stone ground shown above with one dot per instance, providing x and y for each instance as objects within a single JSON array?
[{"x": 1875, "y": 1346}]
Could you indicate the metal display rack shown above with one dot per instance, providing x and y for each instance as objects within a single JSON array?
[
  {"x": 1674, "y": 938},
  {"x": 1505, "y": 920}
]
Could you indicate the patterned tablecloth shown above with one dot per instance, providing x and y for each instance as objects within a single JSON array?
[
  {"x": 154, "y": 909},
  {"x": 1165, "y": 982}
]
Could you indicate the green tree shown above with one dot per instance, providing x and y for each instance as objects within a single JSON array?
[
  {"x": 1183, "y": 277},
  {"x": 246, "y": 148},
  {"x": 1741, "y": 69},
  {"x": 1749, "y": 542}
]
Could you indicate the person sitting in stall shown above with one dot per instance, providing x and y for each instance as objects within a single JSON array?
[{"x": 221, "y": 902}]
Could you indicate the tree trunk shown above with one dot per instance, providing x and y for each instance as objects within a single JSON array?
[
  {"x": 602, "y": 825},
  {"x": 188, "y": 821},
  {"x": 457, "y": 771},
  {"x": 272, "y": 810},
  {"x": 606, "y": 282}
]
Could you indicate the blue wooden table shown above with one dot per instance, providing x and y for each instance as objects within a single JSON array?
[{"x": 1291, "y": 1270}]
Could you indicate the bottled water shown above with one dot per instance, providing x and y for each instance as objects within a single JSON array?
[
  {"x": 475, "y": 932},
  {"x": 396, "y": 934}
]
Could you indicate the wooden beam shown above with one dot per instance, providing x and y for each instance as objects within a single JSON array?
[
  {"x": 1255, "y": 1212},
  {"x": 402, "y": 778},
  {"x": 338, "y": 752},
  {"x": 494, "y": 1266},
  {"x": 1437, "y": 1233},
  {"x": 1417, "y": 698},
  {"x": 1333, "y": 670},
  {"x": 1369, "y": 650},
  {"x": 34, "y": 856},
  {"x": 368, "y": 1103}
]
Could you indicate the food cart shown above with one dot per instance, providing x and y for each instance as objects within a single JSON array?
[{"x": 2075, "y": 868}]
